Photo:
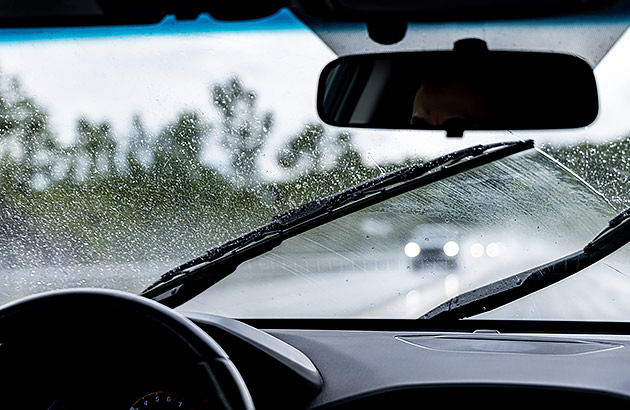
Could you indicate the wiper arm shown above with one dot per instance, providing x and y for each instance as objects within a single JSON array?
[
  {"x": 504, "y": 291},
  {"x": 189, "y": 279}
]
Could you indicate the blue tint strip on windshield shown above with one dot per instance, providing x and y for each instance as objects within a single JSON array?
[{"x": 283, "y": 20}]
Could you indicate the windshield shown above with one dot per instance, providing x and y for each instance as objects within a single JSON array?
[
  {"x": 401, "y": 257},
  {"x": 125, "y": 152}
]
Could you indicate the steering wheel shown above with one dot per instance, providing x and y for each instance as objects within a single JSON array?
[{"x": 105, "y": 341}]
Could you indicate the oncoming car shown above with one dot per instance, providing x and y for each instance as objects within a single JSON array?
[
  {"x": 313, "y": 204},
  {"x": 433, "y": 246}
]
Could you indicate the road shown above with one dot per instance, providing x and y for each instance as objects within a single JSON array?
[
  {"x": 364, "y": 286},
  {"x": 386, "y": 287}
]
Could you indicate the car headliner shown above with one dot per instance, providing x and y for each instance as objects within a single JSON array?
[{"x": 470, "y": 19}]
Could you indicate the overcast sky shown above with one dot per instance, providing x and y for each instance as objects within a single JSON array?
[{"x": 158, "y": 76}]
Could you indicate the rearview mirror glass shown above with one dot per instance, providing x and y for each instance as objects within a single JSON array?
[{"x": 458, "y": 90}]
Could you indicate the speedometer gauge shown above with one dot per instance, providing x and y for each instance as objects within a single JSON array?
[{"x": 160, "y": 400}]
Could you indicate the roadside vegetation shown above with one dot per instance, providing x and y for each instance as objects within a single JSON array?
[{"x": 128, "y": 196}]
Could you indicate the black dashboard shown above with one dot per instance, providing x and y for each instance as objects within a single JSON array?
[
  {"x": 387, "y": 368},
  {"x": 108, "y": 350}
]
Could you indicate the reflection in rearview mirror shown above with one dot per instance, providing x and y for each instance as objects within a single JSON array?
[{"x": 469, "y": 88}]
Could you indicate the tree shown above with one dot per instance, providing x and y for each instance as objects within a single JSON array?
[
  {"x": 304, "y": 150},
  {"x": 177, "y": 152},
  {"x": 309, "y": 150},
  {"x": 97, "y": 144},
  {"x": 138, "y": 157},
  {"x": 24, "y": 126},
  {"x": 348, "y": 158},
  {"x": 244, "y": 130},
  {"x": 602, "y": 165}
]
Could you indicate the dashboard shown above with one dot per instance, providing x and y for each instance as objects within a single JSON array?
[
  {"x": 109, "y": 350},
  {"x": 390, "y": 364}
]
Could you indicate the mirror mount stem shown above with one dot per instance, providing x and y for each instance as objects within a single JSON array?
[{"x": 387, "y": 32}]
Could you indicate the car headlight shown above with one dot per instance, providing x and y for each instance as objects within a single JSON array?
[
  {"x": 493, "y": 249},
  {"x": 412, "y": 249},
  {"x": 451, "y": 248},
  {"x": 476, "y": 250}
]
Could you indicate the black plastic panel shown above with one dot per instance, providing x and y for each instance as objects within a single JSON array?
[{"x": 360, "y": 364}]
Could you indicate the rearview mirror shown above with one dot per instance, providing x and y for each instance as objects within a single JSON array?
[{"x": 468, "y": 88}]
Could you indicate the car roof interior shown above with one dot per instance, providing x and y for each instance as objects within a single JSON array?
[{"x": 41, "y": 13}]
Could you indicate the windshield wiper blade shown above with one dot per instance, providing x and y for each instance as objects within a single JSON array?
[
  {"x": 504, "y": 291},
  {"x": 191, "y": 278}
]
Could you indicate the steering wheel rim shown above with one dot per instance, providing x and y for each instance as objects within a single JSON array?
[{"x": 26, "y": 318}]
